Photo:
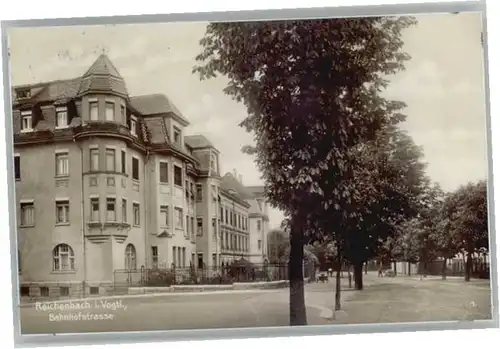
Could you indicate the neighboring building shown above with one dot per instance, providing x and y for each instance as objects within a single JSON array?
[
  {"x": 106, "y": 181},
  {"x": 259, "y": 224}
]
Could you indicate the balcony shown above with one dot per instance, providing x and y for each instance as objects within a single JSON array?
[
  {"x": 99, "y": 232},
  {"x": 102, "y": 127}
]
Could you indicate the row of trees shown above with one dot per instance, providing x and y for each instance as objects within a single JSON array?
[
  {"x": 451, "y": 224},
  {"x": 326, "y": 140}
]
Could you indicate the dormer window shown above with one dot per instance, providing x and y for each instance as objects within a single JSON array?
[
  {"x": 61, "y": 117},
  {"x": 177, "y": 135},
  {"x": 133, "y": 125},
  {"x": 26, "y": 121},
  {"x": 23, "y": 93}
]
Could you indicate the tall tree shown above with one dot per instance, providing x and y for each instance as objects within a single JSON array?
[
  {"x": 391, "y": 177},
  {"x": 312, "y": 92},
  {"x": 467, "y": 211}
]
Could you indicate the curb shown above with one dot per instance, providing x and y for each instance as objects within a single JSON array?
[{"x": 237, "y": 286}]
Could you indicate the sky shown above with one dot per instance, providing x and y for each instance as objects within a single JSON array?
[{"x": 443, "y": 85}]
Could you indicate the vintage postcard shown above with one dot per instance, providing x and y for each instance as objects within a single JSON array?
[{"x": 177, "y": 176}]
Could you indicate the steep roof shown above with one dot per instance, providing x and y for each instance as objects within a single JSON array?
[
  {"x": 103, "y": 66},
  {"x": 156, "y": 104},
  {"x": 256, "y": 190},
  {"x": 102, "y": 76},
  {"x": 198, "y": 141},
  {"x": 229, "y": 182}
]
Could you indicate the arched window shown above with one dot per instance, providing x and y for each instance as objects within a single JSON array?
[
  {"x": 130, "y": 258},
  {"x": 63, "y": 257}
]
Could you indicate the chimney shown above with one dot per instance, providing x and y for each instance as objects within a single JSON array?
[
  {"x": 241, "y": 179},
  {"x": 235, "y": 173}
]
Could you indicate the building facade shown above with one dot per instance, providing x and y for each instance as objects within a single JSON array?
[{"x": 106, "y": 181}]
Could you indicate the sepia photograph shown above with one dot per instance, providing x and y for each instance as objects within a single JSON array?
[{"x": 209, "y": 175}]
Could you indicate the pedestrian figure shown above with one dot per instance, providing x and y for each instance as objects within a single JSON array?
[
  {"x": 380, "y": 273},
  {"x": 330, "y": 272}
]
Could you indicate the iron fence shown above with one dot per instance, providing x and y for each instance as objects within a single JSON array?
[{"x": 203, "y": 276}]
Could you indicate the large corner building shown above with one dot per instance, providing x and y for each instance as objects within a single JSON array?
[{"x": 106, "y": 181}]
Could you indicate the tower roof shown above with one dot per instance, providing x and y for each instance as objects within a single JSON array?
[
  {"x": 103, "y": 66},
  {"x": 102, "y": 76}
]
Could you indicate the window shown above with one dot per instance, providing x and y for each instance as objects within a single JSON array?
[
  {"x": 259, "y": 244},
  {"x": 130, "y": 257},
  {"x": 62, "y": 211},
  {"x": 27, "y": 214},
  {"x": 61, "y": 117},
  {"x": 110, "y": 159},
  {"x": 23, "y": 93},
  {"x": 174, "y": 256},
  {"x": 64, "y": 258},
  {"x": 163, "y": 172},
  {"x": 154, "y": 256},
  {"x": 199, "y": 192},
  {"x": 110, "y": 210},
  {"x": 227, "y": 216},
  {"x": 94, "y": 111},
  {"x": 214, "y": 260},
  {"x": 213, "y": 222},
  {"x": 177, "y": 135},
  {"x": 192, "y": 228},
  {"x": 133, "y": 126},
  {"x": 200, "y": 260},
  {"x": 124, "y": 161},
  {"x": 62, "y": 164},
  {"x": 124, "y": 210},
  {"x": 93, "y": 290},
  {"x": 44, "y": 291},
  {"x": 199, "y": 228},
  {"x": 26, "y": 121},
  {"x": 19, "y": 268},
  {"x": 64, "y": 291},
  {"x": 94, "y": 209},
  {"x": 221, "y": 213},
  {"x": 213, "y": 163},
  {"x": 164, "y": 221},
  {"x": 25, "y": 291},
  {"x": 94, "y": 159},
  {"x": 137, "y": 214},
  {"x": 135, "y": 169},
  {"x": 259, "y": 225},
  {"x": 123, "y": 112},
  {"x": 179, "y": 218},
  {"x": 110, "y": 111},
  {"x": 183, "y": 257},
  {"x": 188, "y": 226},
  {"x": 178, "y": 176},
  {"x": 17, "y": 167}
]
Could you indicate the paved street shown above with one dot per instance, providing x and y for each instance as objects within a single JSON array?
[{"x": 397, "y": 299}]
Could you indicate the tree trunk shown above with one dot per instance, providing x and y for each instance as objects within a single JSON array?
[
  {"x": 409, "y": 268},
  {"x": 366, "y": 268},
  {"x": 349, "y": 276},
  {"x": 468, "y": 265},
  {"x": 443, "y": 270},
  {"x": 395, "y": 267},
  {"x": 296, "y": 276},
  {"x": 358, "y": 276},
  {"x": 337, "y": 283}
]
